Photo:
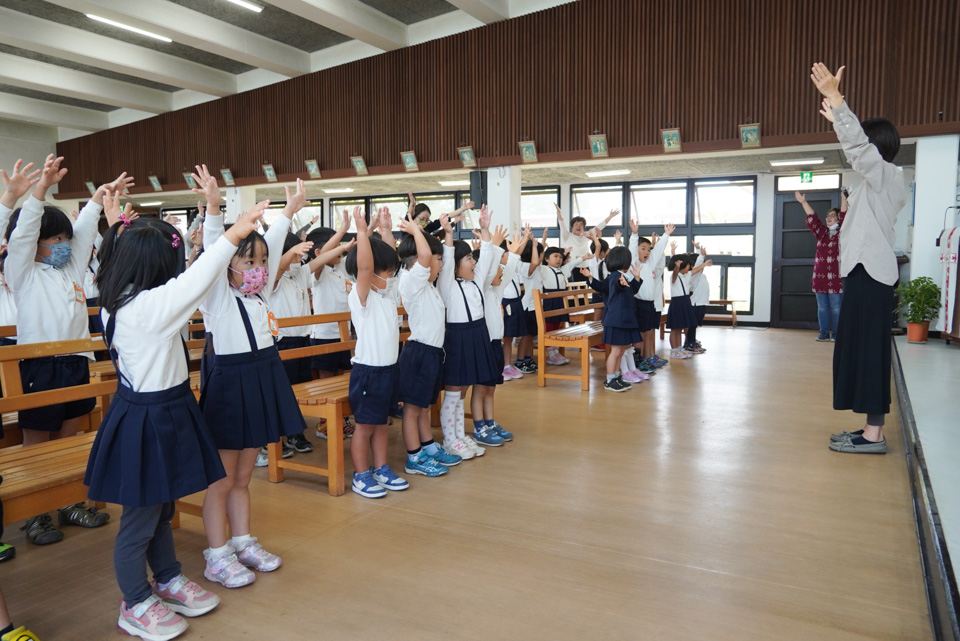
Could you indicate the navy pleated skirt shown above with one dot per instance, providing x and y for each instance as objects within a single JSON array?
[
  {"x": 553, "y": 304},
  {"x": 496, "y": 348},
  {"x": 680, "y": 314},
  {"x": 514, "y": 323},
  {"x": 152, "y": 448},
  {"x": 469, "y": 357},
  {"x": 248, "y": 402},
  {"x": 621, "y": 335}
]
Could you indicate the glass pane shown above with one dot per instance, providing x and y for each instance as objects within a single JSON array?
[
  {"x": 339, "y": 207},
  {"x": 595, "y": 204},
  {"x": 733, "y": 245},
  {"x": 438, "y": 204},
  {"x": 683, "y": 246},
  {"x": 660, "y": 204},
  {"x": 537, "y": 207},
  {"x": 305, "y": 216},
  {"x": 740, "y": 286},
  {"x": 823, "y": 181},
  {"x": 396, "y": 204},
  {"x": 723, "y": 202},
  {"x": 714, "y": 274}
]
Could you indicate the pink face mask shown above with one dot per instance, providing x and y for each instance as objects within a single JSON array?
[{"x": 254, "y": 280}]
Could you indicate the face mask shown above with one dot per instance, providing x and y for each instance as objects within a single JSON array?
[
  {"x": 59, "y": 254},
  {"x": 833, "y": 227},
  {"x": 422, "y": 222},
  {"x": 389, "y": 290},
  {"x": 254, "y": 280}
]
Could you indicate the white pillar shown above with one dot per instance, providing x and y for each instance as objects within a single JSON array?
[
  {"x": 503, "y": 196},
  {"x": 766, "y": 231},
  {"x": 238, "y": 200},
  {"x": 936, "y": 189}
]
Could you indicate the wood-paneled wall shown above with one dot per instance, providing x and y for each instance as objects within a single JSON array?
[{"x": 626, "y": 68}]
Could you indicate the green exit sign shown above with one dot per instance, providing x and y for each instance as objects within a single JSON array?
[{"x": 806, "y": 176}]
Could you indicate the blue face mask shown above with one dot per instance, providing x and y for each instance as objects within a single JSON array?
[{"x": 59, "y": 254}]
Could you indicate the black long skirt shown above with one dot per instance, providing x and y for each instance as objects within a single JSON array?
[{"x": 862, "y": 354}]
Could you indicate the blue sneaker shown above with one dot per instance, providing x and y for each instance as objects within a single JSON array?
[
  {"x": 445, "y": 458},
  {"x": 388, "y": 479},
  {"x": 486, "y": 436},
  {"x": 365, "y": 485},
  {"x": 424, "y": 464},
  {"x": 502, "y": 433}
]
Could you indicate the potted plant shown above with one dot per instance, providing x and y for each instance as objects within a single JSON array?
[{"x": 920, "y": 304}]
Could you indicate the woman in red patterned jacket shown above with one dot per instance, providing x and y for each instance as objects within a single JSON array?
[{"x": 826, "y": 266}]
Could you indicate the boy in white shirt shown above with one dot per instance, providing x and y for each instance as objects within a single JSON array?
[{"x": 649, "y": 303}]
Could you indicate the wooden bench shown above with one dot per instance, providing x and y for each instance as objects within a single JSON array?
[
  {"x": 732, "y": 318},
  {"x": 582, "y": 336},
  {"x": 39, "y": 478}
]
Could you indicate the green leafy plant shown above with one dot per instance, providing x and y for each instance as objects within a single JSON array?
[{"x": 919, "y": 300}]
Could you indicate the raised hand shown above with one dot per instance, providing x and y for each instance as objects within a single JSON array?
[
  {"x": 617, "y": 237},
  {"x": 475, "y": 243},
  {"x": 297, "y": 200},
  {"x": 544, "y": 238},
  {"x": 313, "y": 221},
  {"x": 613, "y": 214},
  {"x": 407, "y": 225},
  {"x": 668, "y": 229},
  {"x": 386, "y": 220},
  {"x": 623, "y": 281},
  {"x": 209, "y": 188},
  {"x": 800, "y": 197},
  {"x": 301, "y": 249},
  {"x": 445, "y": 224},
  {"x": 708, "y": 262},
  {"x": 360, "y": 220},
  {"x": 586, "y": 273},
  {"x": 499, "y": 235},
  {"x": 586, "y": 257},
  {"x": 654, "y": 238},
  {"x": 635, "y": 270},
  {"x": 196, "y": 237},
  {"x": 411, "y": 205},
  {"x": 634, "y": 226},
  {"x": 467, "y": 205},
  {"x": 826, "y": 110},
  {"x": 485, "y": 216},
  {"x": 247, "y": 223},
  {"x": 113, "y": 211},
  {"x": 50, "y": 175},
  {"x": 119, "y": 185},
  {"x": 344, "y": 223},
  {"x": 827, "y": 83},
  {"x": 516, "y": 245},
  {"x": 18, "y": 182},
  {"x": 527, "y": 231}
]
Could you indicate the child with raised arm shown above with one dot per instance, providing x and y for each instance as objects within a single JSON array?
[
  {"x": 575, "y": 237},
  {"x": 246, "y": 400},
  {"x": 554, "y": 274},
  {"x": 154, "y": 446},
  {"x": 529, "y": 275},
  {"x": 649, "y": 299},
  {"x": 421, "y": 362},
  {"x": 375, "y": 380},
  {"x": 862, "y": 354},
  {"x": 680, "y": 315},
  {"x": 514, "y": 318},
  {"x": 699, "y": 298}
]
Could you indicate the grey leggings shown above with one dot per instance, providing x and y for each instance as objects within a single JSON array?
[
  {"x": 876, "y": 419},
  {"x": 144, "y": 537}
]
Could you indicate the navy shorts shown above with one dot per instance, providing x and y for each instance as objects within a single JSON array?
[
  {"x": 373, "y": 393},
  {"x": 646, "y": 313},
  {"x": 421, "y": 374},
  {"x": 333, "y": 362},
  {"x": 43, "y": 374},
  {"x": 700, "y": 311},
  {"x": 298, "y": 369}
]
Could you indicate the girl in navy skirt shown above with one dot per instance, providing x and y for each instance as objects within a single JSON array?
[
  {"x": 680, "y": 316},
  {"x": 467, "y": 342},
  {"x": 554, "y": 274},
  {"x": 153, "y": 446},
  {"x": 514, "y": 321},
  {"x": 620, "y": 329},
  {"x": 375, "y": 379},
  {"x": 247, "y": 399}
]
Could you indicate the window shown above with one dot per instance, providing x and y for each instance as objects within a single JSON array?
[
  {"x": 438, "y": 204},
  {"x": 659, "y": 204},
  {"x": 344, "y": 206},
  {"x": 272, "y": 212},
  {"x": 538, "y": 206},
  {"x": 739, "y": 286},
  {"x": 305, "y": 216},
  {"x": 723, "y": 202},
  {"x": 396, "y": 204},
  {"x": 727, "y": 245},
  {"x": 596, "y": 203},
  {"x": 822, "y": 181}
]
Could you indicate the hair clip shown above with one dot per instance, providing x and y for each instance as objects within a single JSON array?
[
  {"x": 123, "y": 218},
  {"x": 176, "y": 240}
]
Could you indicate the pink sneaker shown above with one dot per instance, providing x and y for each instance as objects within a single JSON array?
[
  {"x": 514, "y": 372},
  {"x": 151, "y": 620},
  {"x": 228, "y": 572},
  {"x": 185, "y": 597},
  {"x": 554, "y": 358},
  {"x": 631, "y": 377},
  {"x": 254, "y": 556},
  {"x": 507, "y": 374}
]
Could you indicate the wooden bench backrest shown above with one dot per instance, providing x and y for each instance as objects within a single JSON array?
[{"x": 568, "y": 296}]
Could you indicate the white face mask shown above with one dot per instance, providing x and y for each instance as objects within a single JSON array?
[
  {"x": 833, "y": 227},
  {"x": 389, "y": 289}
]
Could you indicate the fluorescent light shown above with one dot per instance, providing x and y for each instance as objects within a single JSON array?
[
  {"x": 155, "y": 204},
  {"x": 128, "y": 28},
  {"x": 612, "y": 172},
  {"x": 247, "y": 5},
  {"x": 800, "y": 161},
  {"x": 454, "y": 183},
  {"x": 337, "y": 191}
]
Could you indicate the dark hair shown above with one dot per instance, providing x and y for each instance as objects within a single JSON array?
[
  {"x": 319, "y": 238},
  {"x": 643, "y": 240},
  {"x": 53, "y": 223},
  {"x": 550, "y": 252},
  {"x": 476, "y": 254},
  {"x": 527, "y": 254},
  {"x": 384, "y": 258},
  {"x": 420, "y": 208},
  {"x": 618, "y": 259},
  {"x": 140, "y": 258},
  {"x": 604, "y": 245},
  {"x": 248, "y": 245},
  {"x": 834, "y": 210},
  {"x": 407, "y": 250},
  {"x": 461, "y": 249},
  {"x": 578, "y": 219},
  {"x": 679, "y": 261},
  {"x": 291, "y": 241},
  {"x": 884, "y": 136}
]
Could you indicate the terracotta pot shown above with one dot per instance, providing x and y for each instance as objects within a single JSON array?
[{"x": 917, "y": 332}]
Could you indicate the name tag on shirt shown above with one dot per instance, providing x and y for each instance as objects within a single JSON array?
[
  {"x": 78, "y": 294},
  {"x": 348, "y": 286},
  {"x": 274, "y": 325}
]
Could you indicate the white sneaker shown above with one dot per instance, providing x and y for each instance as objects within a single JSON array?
[
  {"x": 459, "y": 448},
  {"x": 472, "y": 444},
  {"x": 554, "y": 358},
  {"x": 262, "y": 459}
]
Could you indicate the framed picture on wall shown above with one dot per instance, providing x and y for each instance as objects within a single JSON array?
[
  {"x": 749, "y": 136},
  {"x": 270, "y": 173},
  {"x": 359, "y": 165},
  {"x": 409, "y": 161},
  {"x": 671, "y": 140},
  {"x": 188, "y": 177},
  {"x": 91, "y": 187},
  {"x": 598, "y": 146},
  {"x": 313, "y": 168},
  {"x": 528, "y": 151},
  {"x": 155, "y": 183},
  {"x": 228, "y": 177},
  {"x": 467, "y": 157}
]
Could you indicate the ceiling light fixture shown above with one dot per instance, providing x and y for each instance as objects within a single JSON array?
[
  {"x": 338, "y": 191},
  {"x": 798, "y": 162},
  {"x": 454, "y": 183},
  {"x": 612, "y": 172},
  {"x": 155, "y": 204},
  {"x": 128, "y": 28},
  {"x": 247, "y": 5}
]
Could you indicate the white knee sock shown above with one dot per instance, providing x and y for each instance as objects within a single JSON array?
[
  {"x": 448, "y": 416},
  {"x": 460, "y": 419},
  {"x": 627, "y": 364}
]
